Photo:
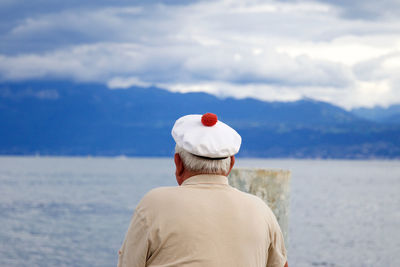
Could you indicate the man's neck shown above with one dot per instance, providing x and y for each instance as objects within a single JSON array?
[{"x": 187, "y": 174}]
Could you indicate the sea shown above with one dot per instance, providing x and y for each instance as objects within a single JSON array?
[{"x": 74, "y": 211}]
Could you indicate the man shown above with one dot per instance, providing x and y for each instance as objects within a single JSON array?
[{"x": 203, "y": 221}]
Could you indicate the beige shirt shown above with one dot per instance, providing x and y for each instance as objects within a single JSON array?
[{"x": 204, "y": 222}]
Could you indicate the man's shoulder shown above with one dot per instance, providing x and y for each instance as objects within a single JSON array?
[
  {"x": 160, "y": 192},
  {"x": 159, "y": 195},
  {"x": 248, "y": 196},
  {"x": 254, "y": 201},
  {"x": 166, "y": 197}
]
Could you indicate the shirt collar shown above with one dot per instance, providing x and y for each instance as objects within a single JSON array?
[{"x": 206, "y": 179}]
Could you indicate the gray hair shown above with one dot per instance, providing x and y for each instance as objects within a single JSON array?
[{"x": 203, "y": 165}]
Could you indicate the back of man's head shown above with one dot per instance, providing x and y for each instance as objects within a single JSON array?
[{"x": 203, "y": 165}]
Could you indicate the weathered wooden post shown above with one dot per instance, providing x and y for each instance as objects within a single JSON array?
[{"x": 270, "y": 185}]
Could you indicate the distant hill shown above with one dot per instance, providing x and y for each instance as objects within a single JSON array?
[
  {"x": 64, "y": 118},
  {"x": 384, "y": 115}
]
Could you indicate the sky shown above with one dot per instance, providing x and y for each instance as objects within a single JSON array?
[{"x": 343, "y": 52}]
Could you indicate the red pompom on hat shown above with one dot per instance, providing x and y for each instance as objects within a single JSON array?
[{"x": 209, "y": 119}]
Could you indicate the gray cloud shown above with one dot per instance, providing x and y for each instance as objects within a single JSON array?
[
  {"x": 364, "y": 9},
  {"x": 379, "y": 68},
  {"x": 37, "y": 26},
  {"x": 232, "y": 48},
  {"x": 168, "y": 64},
  {"x": 389, "y": 9}
]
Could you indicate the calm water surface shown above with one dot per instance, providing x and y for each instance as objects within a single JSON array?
[{"x": 75, "y": 211}]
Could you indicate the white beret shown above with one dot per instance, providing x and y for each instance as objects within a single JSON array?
[{"x": 205, "y": 136}]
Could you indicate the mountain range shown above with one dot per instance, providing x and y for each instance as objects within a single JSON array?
[
  {"x": 80, "y": 119},
  {"x": 390, "y": 114}
]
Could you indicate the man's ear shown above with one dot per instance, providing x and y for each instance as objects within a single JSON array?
[
  {"x": 232, "y": 163},
  {"x": 179, "y": 168}
]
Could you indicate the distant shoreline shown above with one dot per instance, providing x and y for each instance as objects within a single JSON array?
[{"x": 123, "y": 157}]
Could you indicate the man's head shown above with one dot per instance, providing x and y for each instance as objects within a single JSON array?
[
  {"x": 188, "y": 165},
  {"x": 204, "y": 145}
]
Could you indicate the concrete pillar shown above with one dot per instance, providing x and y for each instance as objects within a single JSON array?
[{"x": 272, "y": 186}]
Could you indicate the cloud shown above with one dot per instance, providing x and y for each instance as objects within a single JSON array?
[
  {"x": 167, "y": 64},
  {"x": 126, "y": 82},
  {"x": 379, "y": 68},
  {"x": 367, "y": 9},
  {"x": 348, "y": 50},
  {"x": 382, "y": 75},
  {"x": 265, "y": 49}
]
